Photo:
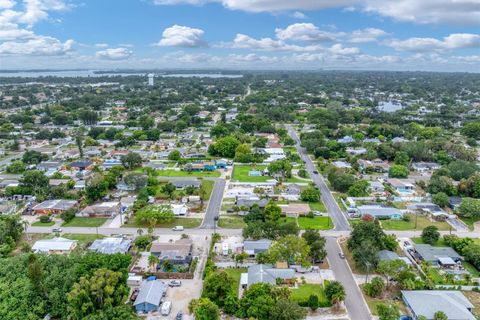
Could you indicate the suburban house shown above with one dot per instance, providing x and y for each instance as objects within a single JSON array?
[
  {"x": 104, "y": 209},
  {"x": 428, "y": 208},
  {"x": 454, "y": 202},
  {"x": 376, "y": 187},
  {"x": 56, "y": 245},
  {"x": 295, "y": 209},
  {"x": 185, "y": 183},
  {"x": 58, "y": 206},
  {"x": 380, "y": 212},
  {"x": 111, "y": 245},
  {"x": 426, "y": 302},
  {"x": 110, "y": 163},
  {"x": 425, "y": 166},
  {"x": 342, "y": 164},
  {"x": 253, "y": 247},
  {"x": 377, "y": 165},
  {"x": 437, "y": 256},
  {"x": 150, "y": 296},
  {"x": 356, "y": 151},
  {"x": 402, "y": 186},
  {"x": 178, "y": 252},
  {"x": 266, "y": 273},
  {"x": 249, "y": 201},
  {"x": 179, "y": 209},
  {"x": 293, "y": 189},
  {"x": 81, "y": 165},
  {"x": 387, "y": 255}
]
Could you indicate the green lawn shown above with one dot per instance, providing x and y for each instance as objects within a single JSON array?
[
  {"x": 304, "y": 291},
  {"x": 374, "y": 302},
  {"x": 297, "y": 180},
  {"x": 317, "y": 223},
  {"x": 231, "y": 222},
  {"x": 287, "y": 220},
  {"x": 236, "y": 274},
  {"x": 470, "y": 268},
  {"x": 422, "y": 222},
  {"x": 439, "y": 243},
  {"x": 175, "y": 173},
  {"x": 208, "y": 185},
  {"x": 41, "y": 224},
  {"x": 240, "y": 173},
  {"x": 187, "y": 223},
  {"x": 85, "y": 222},
  {"x": 435, "y": 275},
  {"x": 318, "y": 206}
]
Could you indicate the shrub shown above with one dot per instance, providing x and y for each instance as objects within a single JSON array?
[{"x": 45, "y": 219}]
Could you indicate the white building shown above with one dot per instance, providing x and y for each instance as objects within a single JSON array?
[{"x": 151, "y": 80}]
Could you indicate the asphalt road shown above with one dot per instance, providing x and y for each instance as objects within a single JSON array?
[
  {"x": 214, "y": 204},
  {"x": 356, "y": 306},
  {"x": 336, "y": 214}
]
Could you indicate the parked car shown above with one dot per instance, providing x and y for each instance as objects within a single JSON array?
[
  {"x": 179, "y": 316},
  {"x": 175, "y": 283},
  {"x": 134, "y": 295},
  {"x": 166, "y": 308},
  {"x": 341, "y": 255},
  {"x": 57, "y": 230},
  {"x": 177, "y": 228},
  {"x": 315, "y": 172}
]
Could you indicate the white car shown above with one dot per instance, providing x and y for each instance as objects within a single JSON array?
[{"x": 177, "y": 228}]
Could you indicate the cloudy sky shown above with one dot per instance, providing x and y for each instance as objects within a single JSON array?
[{"x": 437, "y": 35}]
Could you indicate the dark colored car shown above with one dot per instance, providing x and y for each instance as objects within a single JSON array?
[{"x": 179, "y": 316}]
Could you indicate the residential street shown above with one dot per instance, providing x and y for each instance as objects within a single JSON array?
[
  {"x": 336, "y": 214},
  {"x": 214, "y": 204},
  {"x": 355, "y": 304}
]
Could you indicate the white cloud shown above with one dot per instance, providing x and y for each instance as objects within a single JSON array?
[
  {"x": 101, "y": 45},
  {"x": 114, "y": 54},
  {"x": 38, "y": 45},
  {"x": 182, "y": 36},
  {"x": 339, "y": 49},
  {"x": 304, "y": 32},
  {"x": 11, "y": 31},
  {"x": 33, "y": 11},
  {"x": 299, "y": 15},
  {"x": 6, "y": 4},
  {"x": 367, "y": 35},
  {"x": 453, "y": 41},
  {"x": 427, "y": 11},
  {"x": 418, "y": 11},
  {"x": 243, "y": 41}
]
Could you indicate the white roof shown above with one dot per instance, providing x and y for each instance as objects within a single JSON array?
[{"x": 55, "y": 244}]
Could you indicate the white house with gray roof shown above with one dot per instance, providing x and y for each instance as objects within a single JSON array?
[
  {"x": 266, "y": 273},
  {"x": 150, "y": 296},
  {"x": 427, "y": 302}
]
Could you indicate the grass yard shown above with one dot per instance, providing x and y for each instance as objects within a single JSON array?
[
  {"x": 373, "y": 302},
  {"x": 422, "y": 222},
  {"x": 439, "y": 243},
  {"x": 236, "y": 274},
  {"x": 41, "y": 224},
  {"x": 175, "y": 173},
  {"x": 85, "y": 222},
  {"x": 304, "y": 291},
  {"x": 435, "y": 275},
  {"x": 208, "y": 186},
  {"x": 470, "y": 268},
  {"x": 295, "y": 179},
  {"x": 317, "y": 223},
  {"x": 240, "y": 173},
  {"x": 337, "y": 197},
  {"x": 287, "y": 220},
  {"x": 231, "y": 222},
  {"x": 318, "y": 206},
  {"x": 187, "y": 223}
]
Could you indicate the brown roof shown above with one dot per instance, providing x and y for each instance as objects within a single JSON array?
[{"x": 182, "y": 246}]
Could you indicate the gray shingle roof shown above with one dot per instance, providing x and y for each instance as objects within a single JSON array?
[
  {"x": 429, "y": 253},
  {"x": 257, "y": 245},
  {"x": 265, "y": 273},
  {"x": 111, "y": 245},
  {"x": 427, "y": 302}
]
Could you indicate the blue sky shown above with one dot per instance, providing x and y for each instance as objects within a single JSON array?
[{"x": 437, "y": 35}]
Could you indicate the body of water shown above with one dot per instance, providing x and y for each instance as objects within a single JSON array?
[{"x": 200, "y": 75}]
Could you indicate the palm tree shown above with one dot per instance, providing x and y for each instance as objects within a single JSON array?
[
  {"x": 139, "y": 231},
  {"x": 338, "y": 298},
  {"x": 153, "y": 261},
  {"x": 25, "y": 227}
]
